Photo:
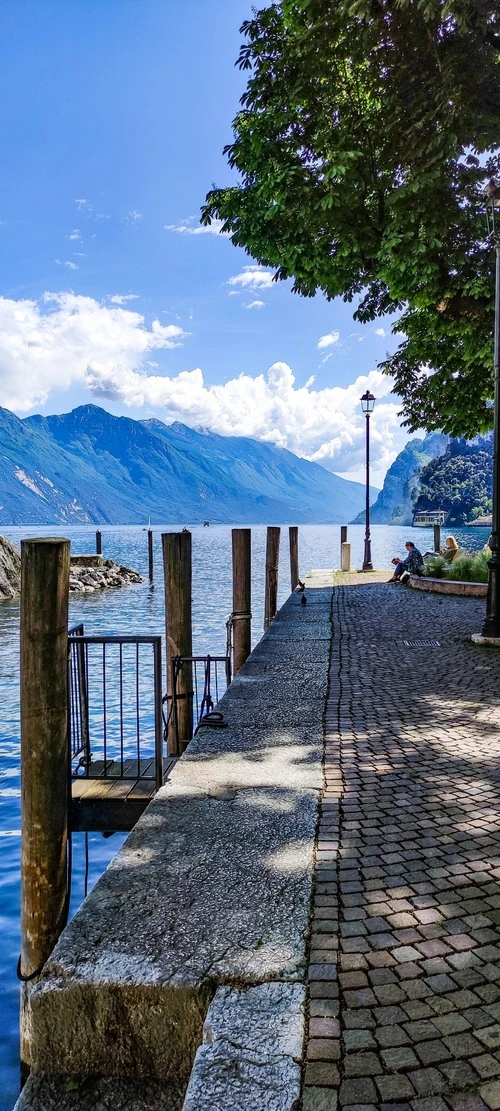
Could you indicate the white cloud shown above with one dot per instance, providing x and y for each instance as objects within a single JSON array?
[
  {"x": 325, "y": 425},
  {"x": 191, "y": 227},
  {"x": 68, "y": 339},
  {"x": 109, "y": 351},
  {"x": 132, "y": 217},
  {"x": 255, "y": 305},
  {"x": 74, "y": 235},
  {"x": 87, "y": 209},
  {"x": 253, "y": 277},
  {"x": 122, "y": 298},
  {"x": 380, "y": 332},
  {"x": 66, "y": 262},
  {"x": 328, "y": 340}
]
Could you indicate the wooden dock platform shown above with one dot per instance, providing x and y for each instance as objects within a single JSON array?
[{"x": 112, "y": 798}]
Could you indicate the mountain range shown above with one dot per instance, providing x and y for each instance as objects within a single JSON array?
[
  {"x": 395, "y": 502},
  {"x": 90, "y": 467}
]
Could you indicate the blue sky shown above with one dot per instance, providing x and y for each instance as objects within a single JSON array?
[{"x": 114, "y": 116}]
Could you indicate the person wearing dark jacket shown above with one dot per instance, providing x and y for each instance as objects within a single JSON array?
[{"x": 413, "y": 564}]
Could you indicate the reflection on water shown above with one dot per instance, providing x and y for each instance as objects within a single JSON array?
[{"x": 139, "y": 609}]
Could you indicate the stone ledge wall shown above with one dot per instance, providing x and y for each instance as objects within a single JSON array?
[
  {"x": 448, "y": 586},
  {"x": 208, "y": 899}
]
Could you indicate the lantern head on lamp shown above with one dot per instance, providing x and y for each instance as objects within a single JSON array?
[{"x": 367, "y": 403}]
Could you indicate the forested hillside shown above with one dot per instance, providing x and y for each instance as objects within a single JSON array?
[
  {"x": 394, "y": 505},
  {"x": 459, "y": 481}
]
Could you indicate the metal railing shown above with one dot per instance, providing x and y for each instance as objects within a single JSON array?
[
  {"x": 115, "y": 706},
  {"x": 210, "y": 676}
]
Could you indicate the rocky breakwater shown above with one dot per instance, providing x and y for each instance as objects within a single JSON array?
[{"x": 87, "y": 572}]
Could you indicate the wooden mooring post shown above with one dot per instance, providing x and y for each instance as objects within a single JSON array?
[
  {"x": 177, "y": 566},
  {"x": 98, "y": 542},
  {"x": 343, "y": 540},
  {"x": 437, "y": 538},
  {"x": 293, "y": 536},
  {"x": 150, "y": 555},
  {"x": 44, "y": 758},
  {"x": 272, "y": 568},
  {"x": 242, "y": 594}
]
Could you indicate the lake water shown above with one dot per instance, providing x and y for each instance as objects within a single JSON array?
[{"x": 139, "y": 609}]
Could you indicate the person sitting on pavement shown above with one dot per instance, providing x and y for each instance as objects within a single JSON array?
[{"x": 412, "y": 565}]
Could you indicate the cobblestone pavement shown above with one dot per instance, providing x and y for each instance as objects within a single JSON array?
[{"x": 404, "y": 973}]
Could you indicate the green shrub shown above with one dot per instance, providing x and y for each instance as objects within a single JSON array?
[
  {"x": 435, "y": 567},
  {"x": 461, "y": 568},
  {"x": 469, "y": 567},
  {"x": 480, "y": 567}
]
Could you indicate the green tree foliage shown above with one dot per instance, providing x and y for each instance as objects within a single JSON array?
[
  {"x": 459, "y": 481},
  {"x": 363, "y": 142}
]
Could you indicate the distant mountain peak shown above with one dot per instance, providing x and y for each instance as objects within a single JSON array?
[{"x": 91, "y": 466}]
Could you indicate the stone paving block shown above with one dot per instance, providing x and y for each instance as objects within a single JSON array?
[
  {"x": 323, "y": 1008},
  {"x": 388, "y": 1036},
  {"x": 362, "y": 1064},
  {"x": 399, "y": 1058},
  {"x": 322, "y": 1073},
  {"x": 431, "y": 1053},
  {"x": 395, "y": 1087},
  {"x": 428, "y": 1082},
  {"x": 361, "y": 1090},
  {"x": 358, "y": 1020},
  {"x": 420, "y": 1031},
  {"x": 491, "y": 1095},
  {"x": 319, "y": 1099},
  {"x": 486, "y": 1065},
  {"x": 324, "y": 1027},
  {"x": 489, "y": 1036},
  {"x": 462, "y": 1045},
  {"x": 459, "y": 1074},
  {"x": 467, "y": 1102},
  {"x": 323, "y": 1049}
]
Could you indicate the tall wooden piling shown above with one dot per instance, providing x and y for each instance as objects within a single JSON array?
[
  {"x": 272, "y": 566},
  {"x": 98, "y": 542},
  {"x": 343, "y": 540},
  {"x": 293, "y": 536},
  {"x": 242, "y": 587},
  {"x": 177, "y": 566},
  {"x": 150, "y": 555},
  {"x": 44, "y": 756},
  {"x": 437, "y": 538}
]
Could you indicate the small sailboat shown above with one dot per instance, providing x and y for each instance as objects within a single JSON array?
[{"x": 146, "y": 528}]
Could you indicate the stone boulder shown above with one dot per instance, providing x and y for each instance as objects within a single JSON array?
[{"x": 10, "y": 569}]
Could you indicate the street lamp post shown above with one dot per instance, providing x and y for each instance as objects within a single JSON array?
[
  {"x": 367, "y": 406},
  {"x": 491, "y": 625}
]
